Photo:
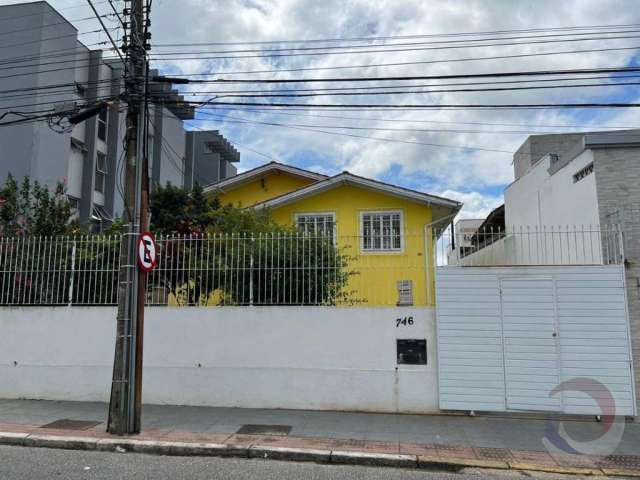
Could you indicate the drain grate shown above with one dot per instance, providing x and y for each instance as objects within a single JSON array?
[
  {"x": 276, "y": 430},
  {"x": 625, "y": 461},
  {"x": 490, "y": 453},
  {"x": 66, "y": 424}
]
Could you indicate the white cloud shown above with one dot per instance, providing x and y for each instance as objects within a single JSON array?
[
  {"x": 476, "y": 204},
  {"x": 449, "y": 170}
]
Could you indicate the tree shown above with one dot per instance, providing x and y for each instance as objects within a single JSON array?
[
  {"x": 230, "y": 255},
  {"x": 175, "y": 210},
  {"x": 32, "y": 209},
  {"x": 32, "y": 220}
]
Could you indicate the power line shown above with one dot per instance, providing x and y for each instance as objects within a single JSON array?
[
  {"x": 51, "y": 86},
  {"x": 426, "y": 62},
  {"x": 395, "y": 140},
  {"x": 53, "y": 12},
  {"x": 383, "y": 129},
  {"x": 423, "y": 85},
  {"x": 115, "y": 47},
  {"x": 389, "y": 37},
  {"x": 428, "y": 106},
  {"x": 39, "y": 72},
  {"x": 467, "y": 44},
  {"x": 417, "y": 49},
  {"x": 532, "y": 73},
  {"x": 60, "y": 52},
  {"x": 57, "y": 101},
  {"x": 396, "y": 120},
  {"x": 20, "y": 44},
  {"x": 399, "y": 64},
  {"x": 47, "y": 25},
  {"x": 407, "y": 92}
]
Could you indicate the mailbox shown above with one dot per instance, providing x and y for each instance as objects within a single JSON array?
[{"x": 411, "y": 351}]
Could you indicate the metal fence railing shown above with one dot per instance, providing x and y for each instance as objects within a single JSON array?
[
  {"x": 65, "y": 270},
  {"x": 385, "y": 268},
  {"x": 222, "y": 269},
  {"x": 533, "y": 245}
]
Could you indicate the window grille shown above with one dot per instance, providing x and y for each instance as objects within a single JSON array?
[{"x": 381, "y": 231}]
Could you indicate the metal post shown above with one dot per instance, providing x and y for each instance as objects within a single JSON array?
[{"x": 73, "y": 269}]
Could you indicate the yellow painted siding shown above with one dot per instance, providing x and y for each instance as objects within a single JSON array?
[
  {"x": 375, "y": 283},
  {"x": 272, "y": 184}
]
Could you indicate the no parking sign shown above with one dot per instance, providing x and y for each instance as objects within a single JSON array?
[{"x": 147, "y": 251}]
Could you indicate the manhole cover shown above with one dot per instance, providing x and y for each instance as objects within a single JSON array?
[
  {"x": 264, "y": 430},
  {"x": 66, "y": 424}
]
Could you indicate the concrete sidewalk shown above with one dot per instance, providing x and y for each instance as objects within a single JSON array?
[{"x": 491, "y": 441}]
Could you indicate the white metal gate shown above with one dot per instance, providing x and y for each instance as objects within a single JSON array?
[{"x": 507, "y": 336}]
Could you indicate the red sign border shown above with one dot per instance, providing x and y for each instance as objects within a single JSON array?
[{"x": 155, "y": 258}]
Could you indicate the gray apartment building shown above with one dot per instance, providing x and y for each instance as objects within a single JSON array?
[
  {"x": 210, "y": 158},
  {"x": 44, "y": 66}
]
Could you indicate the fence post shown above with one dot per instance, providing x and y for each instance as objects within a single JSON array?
[
  {"x": 73, "y": 268},
  {"x": 251, "y": 270},
  {"x": 620, "y": 232}
]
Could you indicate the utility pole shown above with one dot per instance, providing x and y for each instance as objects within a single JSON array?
[{"x": 126, "y": 388}]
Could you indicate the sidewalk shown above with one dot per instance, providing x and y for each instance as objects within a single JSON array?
[{"x": 401, "y": 440}]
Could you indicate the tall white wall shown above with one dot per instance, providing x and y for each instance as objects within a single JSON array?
[
  {"x": 538, "y": 198},
  {"x": 291, "y": 357}
]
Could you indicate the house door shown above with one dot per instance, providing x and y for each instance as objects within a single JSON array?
[{"x": 530, "y": 343}]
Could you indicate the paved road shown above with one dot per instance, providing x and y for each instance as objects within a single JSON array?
[{"x": 20, "y": 463}]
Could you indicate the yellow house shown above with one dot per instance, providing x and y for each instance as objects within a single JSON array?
[{"x": 385, "y": 230}]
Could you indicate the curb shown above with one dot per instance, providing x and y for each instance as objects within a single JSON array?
[
  {"x": 338, "y": 457},
  {"x": 374, "y": 459},
  {"x": 294, "y": 454}
]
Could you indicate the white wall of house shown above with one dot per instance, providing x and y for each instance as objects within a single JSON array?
[
  {"x": 265, "y": 357},
  {"x": 538, "y": 198}
]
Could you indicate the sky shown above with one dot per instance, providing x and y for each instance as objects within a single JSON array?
[{"x": 468, "y": 156}]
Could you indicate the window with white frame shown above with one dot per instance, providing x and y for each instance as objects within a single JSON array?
[
  {"x": 317, "y": 224},
  {"x": 101, "y": 172},
  {"x": 381, "y": 231}
]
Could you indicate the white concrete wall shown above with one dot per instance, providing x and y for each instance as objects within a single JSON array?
[
  {"x": 538, "y": 198},
  {"x": 290, "y": 357}
]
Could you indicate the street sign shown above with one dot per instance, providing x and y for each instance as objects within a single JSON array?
[{"x": 147, "y": 251}]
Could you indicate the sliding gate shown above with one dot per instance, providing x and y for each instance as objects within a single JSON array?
[{"x": 508, "y": 336}]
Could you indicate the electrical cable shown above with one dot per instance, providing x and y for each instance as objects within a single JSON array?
[
  {"x": 513, "y": 106},
  {"x": 408, "y": 92},
  {"x": 440, "y": 145},
  {"x": 518, "y": 73},
  {"x": 115, "y": 47},
  {"x": 420, "y": 49},
  {"x": 368, "y": 39},
  {"x": 47, "y": 25},
  {"x": 395, "y": 120},
  {"x": 351, "y": 127}
]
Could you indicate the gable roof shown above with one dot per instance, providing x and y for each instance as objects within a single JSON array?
[
  {"x": 347, "y": 178},
  {"x": 254, "y": 173}
]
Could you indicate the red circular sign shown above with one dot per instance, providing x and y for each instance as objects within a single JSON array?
[{"x": 147, "y": 252}]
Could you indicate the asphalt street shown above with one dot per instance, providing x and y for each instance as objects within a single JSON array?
[{"x": 20, "y": 463}]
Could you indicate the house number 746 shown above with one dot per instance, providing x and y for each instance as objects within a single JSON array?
[{"x": 404, "y": 321}]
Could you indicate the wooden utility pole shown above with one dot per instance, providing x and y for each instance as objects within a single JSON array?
[{"x": 126, "y": 387}]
